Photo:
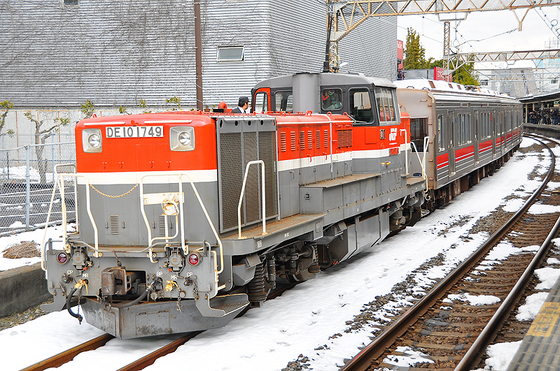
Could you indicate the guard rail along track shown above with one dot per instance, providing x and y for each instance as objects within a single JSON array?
[{"x": 454, "y": 338}]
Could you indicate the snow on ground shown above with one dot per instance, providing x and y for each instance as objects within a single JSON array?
[
  {"x": 311, "y": 319},
  {"x": 55, "y": 233}
]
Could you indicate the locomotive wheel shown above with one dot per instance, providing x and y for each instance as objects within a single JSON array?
[{"x": 300, "y": 277}]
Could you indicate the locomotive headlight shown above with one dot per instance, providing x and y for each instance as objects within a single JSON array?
[
  {"x": 94, "y": 140},
  {"x": 181, "y": 138},
  {"x": 91, "y": 140},
  {"x": 185, "y": 138}
]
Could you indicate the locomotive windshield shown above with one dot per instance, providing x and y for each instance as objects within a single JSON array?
[{"x": 386, "y": 104}]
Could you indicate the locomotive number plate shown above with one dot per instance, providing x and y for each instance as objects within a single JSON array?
[{"x": 134, "y": 131}]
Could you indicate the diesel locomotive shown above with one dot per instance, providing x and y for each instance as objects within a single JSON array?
[{"x": 186, "y": 218}]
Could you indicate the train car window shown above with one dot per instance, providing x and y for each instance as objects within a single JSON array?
[
  {"x": 418, "y": 130},
  {"x": 440, "y": 133},
  {"x": 331, "y": 99},
  {"x": 464, "y": 128},
  {"x": 385, "y": 99},
  {"x": 486, "y": 130},
  {"x": 283, "y": 101},
  {"x": 260, "y": 104},
  {"x": 360, "y": 105}
]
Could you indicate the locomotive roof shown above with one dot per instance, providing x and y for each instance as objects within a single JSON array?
[
  {"x": 327, "y": 78},
  {"x": 439, "y": 86}
]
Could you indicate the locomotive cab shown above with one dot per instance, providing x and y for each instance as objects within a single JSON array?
[{"x": 368, "y": 101}]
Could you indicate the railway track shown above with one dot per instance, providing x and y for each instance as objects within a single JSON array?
[
  {"x": 149, "y": 359},
  {"x": 139, "y": 364},
  {"x": 452, "y": 334}
]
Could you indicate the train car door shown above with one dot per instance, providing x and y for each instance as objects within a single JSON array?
[
  {"x": 452, "y": 132},
  {"x": 500, "y": 133},
  {"x": 493, "y": 132},
  {"x": 477, "y": 135}
]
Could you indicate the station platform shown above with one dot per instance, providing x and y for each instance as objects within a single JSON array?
[{"x": 540, "y": 348}]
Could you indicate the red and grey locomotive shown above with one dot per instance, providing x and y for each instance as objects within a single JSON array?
[{"x": 186, "y": 218}]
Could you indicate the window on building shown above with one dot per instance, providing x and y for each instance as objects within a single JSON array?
[
  {"x": 70, "y": 2},
  {"x": 483, "y": 82},
  {"x": 230, "y": 54}
]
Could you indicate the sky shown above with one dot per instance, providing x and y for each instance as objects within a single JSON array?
[
  {"x": 303, "y": 320},
  {"x": 487, "y": 31}
]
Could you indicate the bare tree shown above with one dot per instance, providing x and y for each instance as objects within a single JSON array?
[
  {"x": 41, "y": 136},
  {"x": 6, "y": 106}
]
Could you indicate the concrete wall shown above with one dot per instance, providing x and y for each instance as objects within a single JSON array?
[{"x": 22, "y": 288}]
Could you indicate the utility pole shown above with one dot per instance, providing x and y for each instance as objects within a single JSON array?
[
  {"x": 198, "y": 47},
  {"x": 446, "y": 49}
]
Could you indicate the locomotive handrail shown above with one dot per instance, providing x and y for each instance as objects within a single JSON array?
[
  {"x": 182, "y": 213},
  {"x": 58, "y": 178},
  {"x": 406, "y": 151},
  {"x": 261, "y": 162}
]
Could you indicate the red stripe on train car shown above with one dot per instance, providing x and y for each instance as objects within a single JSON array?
[
  {"x": 485, "y": 146},
  {"x": 464, "y": 153},
  {"x": 442, "y": 160}
]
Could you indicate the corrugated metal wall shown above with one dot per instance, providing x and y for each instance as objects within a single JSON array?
[
  {"x": 116, "y": 53},
  {"x": 371, "y": 48}
]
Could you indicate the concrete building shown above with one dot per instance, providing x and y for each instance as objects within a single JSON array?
[{"x": 57, "y": 54}]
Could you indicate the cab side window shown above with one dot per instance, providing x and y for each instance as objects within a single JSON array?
[
  {"x": 260, "y": 105},
  {"x": 360, "y": 105},
  {"x": 283, "y": 101},
  {"x": 331, "y": 100}
]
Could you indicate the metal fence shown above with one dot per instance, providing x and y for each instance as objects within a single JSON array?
[{"x": 26, "y": 184}]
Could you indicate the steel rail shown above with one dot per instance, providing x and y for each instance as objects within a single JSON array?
[
  {"x": 68, "y": 355},
  {"x": 373, "y": 350},
  {"x": 149, "y": 359},
  {"x": 140, "y": 363},
  {"x": 488, "y": 333}
]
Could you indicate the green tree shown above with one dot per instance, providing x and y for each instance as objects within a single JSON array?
[
  {"x": 415, "y": 58},
  {"x": 466, "y": 74}
]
